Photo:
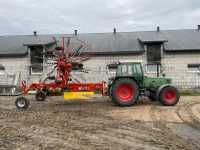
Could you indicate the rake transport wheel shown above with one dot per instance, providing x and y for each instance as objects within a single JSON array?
[
  {"x": 40, "y": 95},
  {"x": 125, "y": 92},
  {"x": 169, "y": 96},
  {"x": 22, "y": 103}
]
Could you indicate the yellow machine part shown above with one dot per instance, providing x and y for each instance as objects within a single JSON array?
[{"x": 78, "y": 95}]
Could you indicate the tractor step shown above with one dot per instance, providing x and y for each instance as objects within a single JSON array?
[{"x": 142, "y": 92}]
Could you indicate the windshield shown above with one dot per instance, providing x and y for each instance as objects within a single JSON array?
[{"x": 129, "y": 69}]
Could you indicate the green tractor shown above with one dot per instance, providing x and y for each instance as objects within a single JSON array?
[{"x": 130, "y": 83}]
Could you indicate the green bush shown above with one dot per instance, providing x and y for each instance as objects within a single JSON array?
[{"x": 190, "y": 93}]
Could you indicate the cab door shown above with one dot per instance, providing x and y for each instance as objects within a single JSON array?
[{"x": 138, "y": 73}]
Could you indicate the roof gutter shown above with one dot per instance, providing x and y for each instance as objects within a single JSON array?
[
  {"x": 40, "y": 44},
  {"x": 13, "y": 55},
  {"x": 113, "y": 53}
]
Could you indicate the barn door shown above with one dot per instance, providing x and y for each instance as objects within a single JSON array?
[
  {"x": 153, "y": 53},
  {"x": 154, "y": 58},
  {"x": 36, "y": 53}
]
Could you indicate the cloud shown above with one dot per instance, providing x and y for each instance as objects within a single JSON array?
[{"x": 52, "y": 16}]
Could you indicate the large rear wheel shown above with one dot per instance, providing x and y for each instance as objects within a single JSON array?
[
  {"x": 125, "y": 92},
  {"x": 169, "y": 96}
]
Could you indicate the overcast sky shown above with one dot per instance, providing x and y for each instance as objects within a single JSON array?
[{"x": 63, "y": 16}]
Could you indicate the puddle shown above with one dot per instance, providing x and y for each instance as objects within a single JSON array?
[{"x": 185, "y": 131}]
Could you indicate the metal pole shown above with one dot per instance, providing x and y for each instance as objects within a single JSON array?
[
  {"x": 63, "y": 44},
  {"x": 158, "y": 74}
]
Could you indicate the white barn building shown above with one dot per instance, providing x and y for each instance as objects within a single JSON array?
[{"x": 170, "y": 53}]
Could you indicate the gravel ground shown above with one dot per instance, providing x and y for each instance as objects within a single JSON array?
[{"x": 98, "y": 124}]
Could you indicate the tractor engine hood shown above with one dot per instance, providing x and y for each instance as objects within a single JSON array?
[{"x": 155, "y": 82}]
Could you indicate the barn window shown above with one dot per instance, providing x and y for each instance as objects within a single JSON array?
[
  {"x": 36, "y": 69},
  {"x": 111, "y": 68},
  {"x": 124, "y": 68},
  {"x": 152, "y": 68},
  {"x": 194, "y": 67},
  {"x": 130, "y": 69},
  {"x": 50, "y": 56},
  {"x": 2, "y": 70},
  {"x": 36, "y": 53}
]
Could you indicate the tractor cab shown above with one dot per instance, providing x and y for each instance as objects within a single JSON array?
[{"x": 131, "y": 70}]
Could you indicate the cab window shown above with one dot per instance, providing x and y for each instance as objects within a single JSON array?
[
  {"x": 137, "y": 69},
  {"x": 130, "y": 69},
  {"x": 124, "y": 69}
]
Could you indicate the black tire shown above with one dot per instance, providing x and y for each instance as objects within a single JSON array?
[
  {"x": 22, "y": 103},
  {"x": 169, "y": 96},
  {"x": 124, "y": 92},
  {"x": 40, "y": 95},
  {"x": 110, "y": 92},
  {"x": 152, "y": 96}
]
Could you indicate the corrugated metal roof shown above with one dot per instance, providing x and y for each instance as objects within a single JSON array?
[
  {"x": 174, "y": 40},
  {"x": 182, "y": 39},
  {"x": 15, "y": 45},
  {"x": 108, "y": 43}
]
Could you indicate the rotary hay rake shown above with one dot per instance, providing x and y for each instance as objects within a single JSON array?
[{"x": 67, "y": 61}]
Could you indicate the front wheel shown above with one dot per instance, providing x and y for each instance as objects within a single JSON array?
[
  {"x": 169, "y": 96},
  {"x": 125, "y": 92},
  {"x": 21, "y": 103}
]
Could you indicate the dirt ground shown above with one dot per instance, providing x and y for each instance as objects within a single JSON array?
[{"x": 98, "y": 124}]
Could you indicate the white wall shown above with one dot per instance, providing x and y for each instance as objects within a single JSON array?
[
  {"x": 97, "y": 66},
  {"x": 175, "y": 66},
  {"x": 13, "y": 66}
]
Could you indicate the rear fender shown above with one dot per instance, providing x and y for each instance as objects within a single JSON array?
[
  {"x": 160, "y": 89},
  {"x": 128, "y": 77}
]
